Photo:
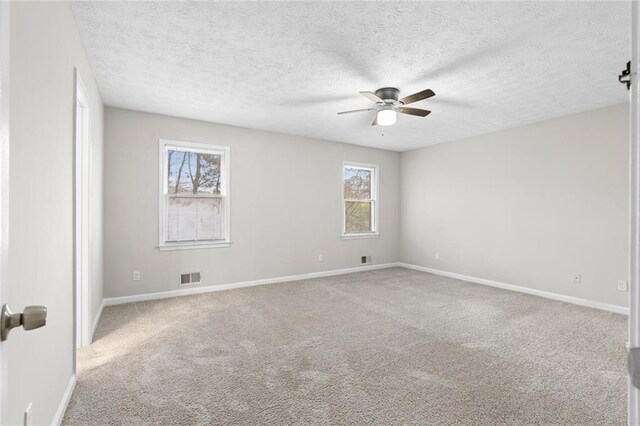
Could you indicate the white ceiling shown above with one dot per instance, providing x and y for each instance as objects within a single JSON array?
[{"x": 289, "y": 67}]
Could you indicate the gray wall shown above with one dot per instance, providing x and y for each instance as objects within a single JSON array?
[
  {"x": 527, "y": 206},
  {"x": 285, "y": 205},
  {"x": 45, "y": 47}
]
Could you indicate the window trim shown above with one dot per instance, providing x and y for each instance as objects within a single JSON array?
[
  {"x": 375, "y": 192},
  {"x": 178, "y": 145}
]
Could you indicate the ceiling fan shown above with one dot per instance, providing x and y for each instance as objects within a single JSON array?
[{"x": 388, "y": 105}]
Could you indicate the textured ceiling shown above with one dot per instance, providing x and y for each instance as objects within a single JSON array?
[{"x": 289, "y": 67}]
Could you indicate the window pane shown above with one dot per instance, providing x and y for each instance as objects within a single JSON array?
[
  {"x": 187, "y": 226},
  {"x": 182, "y": 219},
  {"x": 218, "y": 219},
  {"x": 193, "y": 173},
  {"x": 195, "y": 219},
  {"x": 210, "y": 219},
  {"x": 357, "y": 183},
  {"x": 172, "y": 225},
  {"x": 357, "y": 216}
]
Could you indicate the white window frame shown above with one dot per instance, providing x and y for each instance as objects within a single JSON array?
[
  {"x": 375, "y": 179},
  {"x": 164, "y": 146}
]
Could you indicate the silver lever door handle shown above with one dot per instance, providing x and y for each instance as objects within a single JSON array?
[{"x": 32, "y": 317}]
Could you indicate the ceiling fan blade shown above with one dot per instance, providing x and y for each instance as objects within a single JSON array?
[
  {"x": 356, "y": 110},
  {"x": 417, "y": 97},
  {"x": 371, "y": 96},
  {"x": 414, "y": 111},
  {"x": 375, "y": 121}
]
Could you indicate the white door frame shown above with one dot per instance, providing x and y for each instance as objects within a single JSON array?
[
  {"x": 82, "y": 182},
  {"x": 4, "y": 186},
  {"x": 634, "y": 209}
]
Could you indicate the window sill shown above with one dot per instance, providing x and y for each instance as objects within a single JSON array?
[
  {"x": 360, "y": 236},
  {"x": 193, "y": 246}
]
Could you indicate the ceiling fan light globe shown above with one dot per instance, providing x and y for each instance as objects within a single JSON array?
[{"x": 387, "y": 117}]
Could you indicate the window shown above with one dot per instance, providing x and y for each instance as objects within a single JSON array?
[
  {"x": 194, "y": 195},
  {"x": 360, "y": 200}
]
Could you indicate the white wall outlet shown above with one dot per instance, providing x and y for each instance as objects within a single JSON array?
[
  {"x": 320, "y": 258},
  {"x": 622, "y": 285},
  {"x": 437, "y": 256},
  {"x": 576, "y": 278},
  {"x": 28, "y": 415},
  {"x": 136, "y": 275}
]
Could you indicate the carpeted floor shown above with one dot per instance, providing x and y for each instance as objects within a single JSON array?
[{"x": 392, "y": 346}]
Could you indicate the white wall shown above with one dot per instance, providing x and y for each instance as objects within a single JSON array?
[
  {"x": 527, "y": 206},
  {"x": 285, "y": 205},
  {"x": 45, "y": 48}
]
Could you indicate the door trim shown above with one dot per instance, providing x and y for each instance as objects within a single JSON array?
[
  {"x": 81, "y": 219},
  {"x": 634, "y": 210},
  {"x": 5, "y": 9}
]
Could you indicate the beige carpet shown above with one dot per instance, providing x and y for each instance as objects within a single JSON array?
[{"x": 383, "y": 347}]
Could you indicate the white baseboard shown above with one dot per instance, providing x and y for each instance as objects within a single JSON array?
[
  {"x": 206, "y": 289},
  {"x": 96, "y": 320},
  {"x": 546, "y": 294},
  {"x": 57, "y": 420}
]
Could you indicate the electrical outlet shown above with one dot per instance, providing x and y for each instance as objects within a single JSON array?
[
  {"x": 576, "y": 278},
  {"x": 437, "y": 256},
  {"x": 622, "y": 285},
  {"x": 136, "y": 275},
  {"x": 28, "y": 415},
  {"x": 320, "y": 258}
]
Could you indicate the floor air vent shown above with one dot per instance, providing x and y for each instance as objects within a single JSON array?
[{"x": 190, "y": 278}]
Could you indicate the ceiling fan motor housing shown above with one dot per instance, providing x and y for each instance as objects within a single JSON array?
[{"x": 388, "y": 94}]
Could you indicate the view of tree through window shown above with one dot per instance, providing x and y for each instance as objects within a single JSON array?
[
  {"x": 193, "y": 172},
  {"x": 358, "y": 199},
  {"x": 195, "y": 202}
]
